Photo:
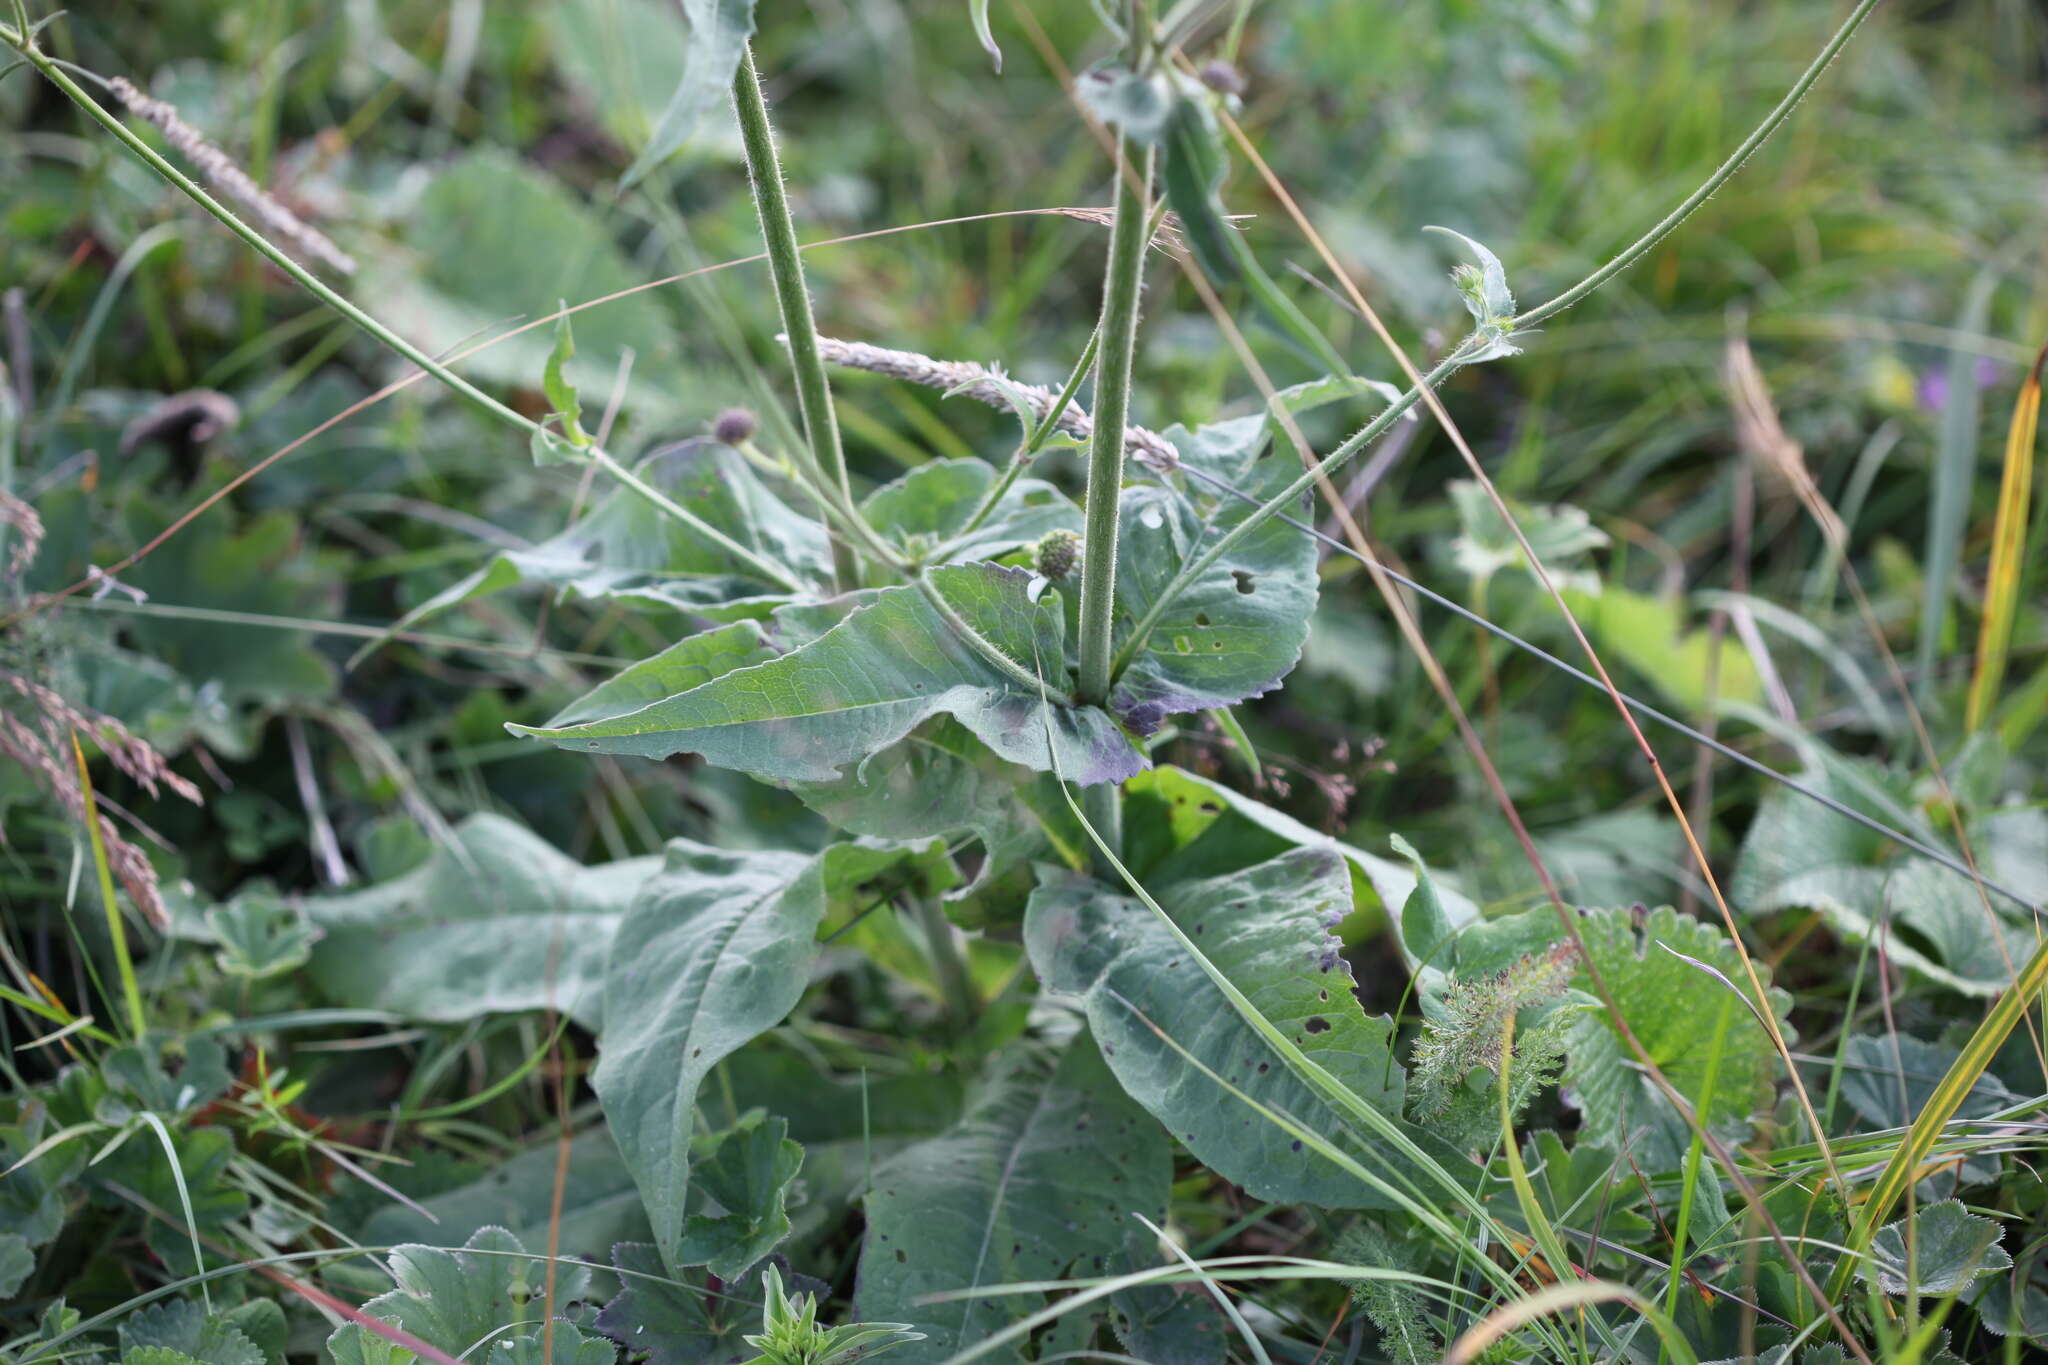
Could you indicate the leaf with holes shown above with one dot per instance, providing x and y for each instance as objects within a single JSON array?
[
  {"x": 1266, "y": 928},
  {"x": 716, "y": 950},
  {"x": 497, "y": 922},
  {"x": 1039, "y": 1181},
  {"x": 1235, "y": 631},
  {"x": 969, "y": 642}
]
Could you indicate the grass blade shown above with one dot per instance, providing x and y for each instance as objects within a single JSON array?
[
  {"x": 2008, "y": 547},
  {"x": 117, "y": 928}
]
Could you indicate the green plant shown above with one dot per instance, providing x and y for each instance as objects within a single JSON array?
[{"x": 948, "y": 969}]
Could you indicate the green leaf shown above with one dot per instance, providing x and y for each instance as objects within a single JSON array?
[
  {"x": 871, "y": 679},
  {"x": 1236, "y": 631},
  {"x": 1951, "y": 1249},
  {"x": 977, "y": 12},
  {"x": 600, "y": 1204},
  {"x": 493, "y": 237},
  {"x": 1888, "y": 1080},
  {"x": 1138, "y": 106},
  {"x": 1192, "y": 175},
  {"x": 187, "y": 1328},
  {"x": 261, "y": 936},
  {"x": 941, "y": 780},
  {"x": 368, "y": 1348},
  {"x": 1429, "y": 932},
  {"x": 167, "y": 1075},
  {"x": 1037, "y": 1182},
  {"x": 141, "y": 1167},
  {"x": 625, "y": 550},
  {"x": 556, "y": 384},
  {"x": 931, "y": 505},
  {"x": 716, "y": 950},
  {"x": 1691, "y": 1025},
  {"x": 1484, "y": 289},
  {"x": 690, "y": 662},
  {"x": 680, "y": 1319},
  {"x": 746, "y": 1173},
  {"x": 1649, "y": 633},
  {"x": 1560, "y": 534},
  {"x": 497, "y": 923},
  {"x": 1267, "y": 929},
  {"x": 719, "y": 30},
  {"x": 17, "y": 1263},
  {"x": 457, "y": 1300}
]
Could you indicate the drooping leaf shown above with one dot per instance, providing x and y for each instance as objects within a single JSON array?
[
  {"x": 497, "y": 923},
  {"x": 679, "y": 1319},
  {"x": 622, "y": 58},
  {"x": 261, "y": 936},
  {"x": 457, "y": 1300},
  {"x": 719, "y": 30},
  {"x": 1038, "y": 1181},
  {"x": 931, "y": 505},
  {"x": 941, "y": 780},
  {"x": 1237, "y": 630},
  {"x": 745, "y": 1173},
  {"x": 871, "y": 679},
  {"x": 1267, "y": 929},
  {"x": 1951, "y": 1248},
  {"x": 1192, "y": 176},
  {"x": 186, "y": 1327},
  {"x": 716, "y": 950}
]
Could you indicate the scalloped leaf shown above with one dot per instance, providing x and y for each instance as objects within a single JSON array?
[
  {"x": 1951, "y": 1249},
  {"x": 875, "y": 676},
  {"x": 457, "y": 1300}
]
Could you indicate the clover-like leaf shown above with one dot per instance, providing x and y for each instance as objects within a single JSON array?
[
  {"x": 1950, "y": 1249},
  {"x": 261, "y": 935}
]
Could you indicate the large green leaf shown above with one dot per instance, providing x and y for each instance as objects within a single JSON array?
[
  {"x": 1039, "y": 1181},
  {"x": 492, "y": 237},
  {"x": 1234, "y": 632},
  {"x": 1266, "y": 928},
  {"x": 495, "y": 923},
  {"x": 868, "y": 681},
  {"x": 716, "y": 950}
]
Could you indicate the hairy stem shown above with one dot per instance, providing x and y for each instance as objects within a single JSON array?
[
  {"x": 778, "y": 232},
  {"x": 1118, "y": 337}
]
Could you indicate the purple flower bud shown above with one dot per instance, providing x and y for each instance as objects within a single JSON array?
[{"x": 733, "y": 426}]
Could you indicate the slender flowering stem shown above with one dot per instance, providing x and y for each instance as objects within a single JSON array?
[
  {"x": 312, "y": 284},
  {"x": 1118, "y": 339},
  {"x": 778, "y": 231}
]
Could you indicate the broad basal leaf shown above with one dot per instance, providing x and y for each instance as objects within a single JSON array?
[
  {"x": 1038, "y": 1181},
  {"x": 1266, "y": 928},
  {"x": 492, "y": 237},
  {"x": 1950, "y": 1249},
  {"x": 930, "y": 507},
  {"x": 497, "y": 923},
  {"x": 1233, "y": 633},
  {"x": 969, "y": 643},
  {"x": 716, "y": 950}
]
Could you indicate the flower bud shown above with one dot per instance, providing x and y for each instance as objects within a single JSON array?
[
  {"x": 734, "y": 426},
  {"x": 1058, "y": 552}
]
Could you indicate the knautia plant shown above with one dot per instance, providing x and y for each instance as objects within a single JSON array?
[{"x": 1594, "y": 1137}]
